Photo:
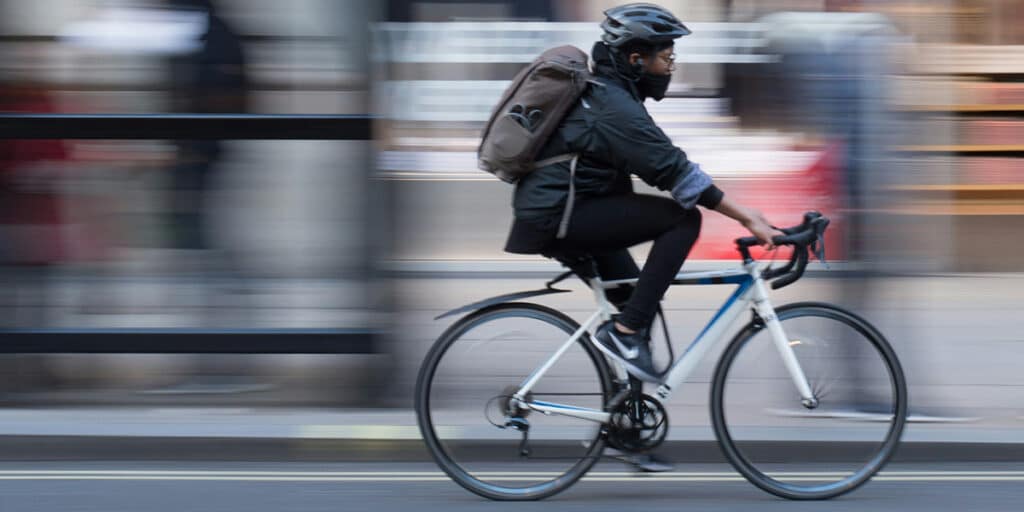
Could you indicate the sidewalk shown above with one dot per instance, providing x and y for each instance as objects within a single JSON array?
[
  {"x": 958, "y": 336},
  {"x": 389, "y": 435}
]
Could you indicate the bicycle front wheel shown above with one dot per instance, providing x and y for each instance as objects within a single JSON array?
[
  {"x": 463, "y": 393},
  {"x": 809, "y": 452}
]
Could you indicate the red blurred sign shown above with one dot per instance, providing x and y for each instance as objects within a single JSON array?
[{"x": 783, "y": 199}]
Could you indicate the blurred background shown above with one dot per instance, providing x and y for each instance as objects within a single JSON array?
[{"x": 901, "y": 120}]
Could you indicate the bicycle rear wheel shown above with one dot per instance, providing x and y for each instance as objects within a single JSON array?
[
  {"x": 810, "y": 453},
  {"x": 462, "y": 397}
]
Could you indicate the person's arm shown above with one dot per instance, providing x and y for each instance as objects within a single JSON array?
[
  {"x": 622, "y": 135},
  {"x": 752, "y": 219},
  {"x": 626, "y": 137}
]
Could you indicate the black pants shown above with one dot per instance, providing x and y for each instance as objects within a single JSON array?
[{"x": 605, "y": 227}]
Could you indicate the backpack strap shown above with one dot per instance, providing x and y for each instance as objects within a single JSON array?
[
  {"x": 567, "y": 157},
  {"x": 563, "y": 226},
  {"x": 573, "y": 159}
]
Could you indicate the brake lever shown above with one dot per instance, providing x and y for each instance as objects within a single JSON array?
[{"x": 818, "y": 248}]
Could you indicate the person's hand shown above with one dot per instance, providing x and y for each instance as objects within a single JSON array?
[{"x": 759, "y": 226}]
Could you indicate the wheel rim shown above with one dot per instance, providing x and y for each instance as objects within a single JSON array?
[
  {"x": 840, "y": 444},
  {"x": 461, "y": 390}
]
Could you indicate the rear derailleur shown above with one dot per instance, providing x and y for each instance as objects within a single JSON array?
[{"x": 515, "y": 418}]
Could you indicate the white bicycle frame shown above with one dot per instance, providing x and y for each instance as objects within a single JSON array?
[{"x": 751, "y": 290}]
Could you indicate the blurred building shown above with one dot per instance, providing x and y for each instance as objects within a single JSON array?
[
  {"x": 301, "y": 215},
  {"x": 290, "y": 209},
  {"x": 295, "y": 215},
  {"x": 954, "y": 73},
  {"x": 964, "y": 89}
]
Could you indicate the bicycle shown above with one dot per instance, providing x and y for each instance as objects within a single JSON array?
[{"x": 603, "y": 406}]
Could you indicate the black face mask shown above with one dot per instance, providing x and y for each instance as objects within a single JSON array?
[{"x": 653, "y": 86}]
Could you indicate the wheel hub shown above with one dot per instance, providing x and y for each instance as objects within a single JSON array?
[{"x": 512, "y": 407}]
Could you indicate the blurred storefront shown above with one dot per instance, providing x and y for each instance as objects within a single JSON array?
[
  {"x": 291, "y": 224},
  {"x": 966, "y": 92},
  {"x": 298, "y": 215}
]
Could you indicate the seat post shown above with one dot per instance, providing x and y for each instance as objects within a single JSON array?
[
  {"x": 607, "y": 308},
  {"x": 585, "y": 267}
]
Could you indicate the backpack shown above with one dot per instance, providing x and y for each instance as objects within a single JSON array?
[{"x": 530, "y": 110}]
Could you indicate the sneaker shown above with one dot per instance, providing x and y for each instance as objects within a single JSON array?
[{"x": 631, "y": 350}]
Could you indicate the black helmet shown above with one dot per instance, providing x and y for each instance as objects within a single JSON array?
[{"x": 641, "y": 23}]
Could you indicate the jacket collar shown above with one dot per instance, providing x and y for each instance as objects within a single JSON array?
[{"x": 606, "y": 69}]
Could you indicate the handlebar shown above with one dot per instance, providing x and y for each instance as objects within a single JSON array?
[{"x": 808, "y": 236}]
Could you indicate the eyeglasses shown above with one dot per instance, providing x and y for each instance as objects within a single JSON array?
[{"x": 669, "y": 59}]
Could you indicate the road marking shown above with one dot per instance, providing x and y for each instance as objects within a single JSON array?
[
  {"x": 508, "y": 476},
  {"x": 375, "y": 432}
]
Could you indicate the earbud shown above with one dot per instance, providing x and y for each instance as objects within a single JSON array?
[{"x": 640, "y": 62}]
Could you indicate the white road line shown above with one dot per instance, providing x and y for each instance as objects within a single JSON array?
[
  {"x": 436, "y": 476},
  {"x": 445, "y": 479}
]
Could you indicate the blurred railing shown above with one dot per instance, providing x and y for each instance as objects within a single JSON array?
[
  {"x": 185, "y": 126},
  {"x": 355, "y": 339},
  {"x": 507, "y": 43}
]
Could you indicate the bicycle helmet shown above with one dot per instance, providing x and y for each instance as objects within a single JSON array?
[{"x": 641, "y": 23}]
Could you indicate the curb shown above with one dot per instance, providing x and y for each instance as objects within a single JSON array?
[{"x": 95, "y": 448}]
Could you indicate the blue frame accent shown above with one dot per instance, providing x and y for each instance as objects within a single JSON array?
[
  {"x": 744, "y": 282},
  {"x": 560, "y": 406}
]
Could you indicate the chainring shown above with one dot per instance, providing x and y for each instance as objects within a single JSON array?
[{"x": 638, "y": 425}]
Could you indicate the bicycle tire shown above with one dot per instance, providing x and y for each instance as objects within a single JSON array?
[
  {"x": 442, "y": 452},
  {"x": 880, "y": 450}
]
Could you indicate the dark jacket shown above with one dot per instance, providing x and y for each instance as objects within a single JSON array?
[{"x": 615, "y": 137}]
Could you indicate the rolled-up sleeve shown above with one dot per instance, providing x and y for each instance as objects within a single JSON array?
[{"x": 690, "y": 186}]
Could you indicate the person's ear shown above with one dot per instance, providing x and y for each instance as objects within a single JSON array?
[{"x": 636, "y": 61}]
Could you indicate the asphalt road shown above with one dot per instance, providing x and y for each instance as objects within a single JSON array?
[{"x": 381, "y": 487}]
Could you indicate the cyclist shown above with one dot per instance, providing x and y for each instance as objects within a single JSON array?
[{"x": 615, "y": 137}]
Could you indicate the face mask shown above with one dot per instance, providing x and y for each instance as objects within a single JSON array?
[{"x": 653, "y": 86}]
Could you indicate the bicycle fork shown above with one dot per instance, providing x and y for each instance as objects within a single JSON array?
[{"x": 766, "y": 312}]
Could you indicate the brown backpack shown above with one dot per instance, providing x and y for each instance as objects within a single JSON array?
[{"x": 530, "y": 109}]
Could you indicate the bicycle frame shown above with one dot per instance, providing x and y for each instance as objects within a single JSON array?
[{"x": 750, "y": 291}]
